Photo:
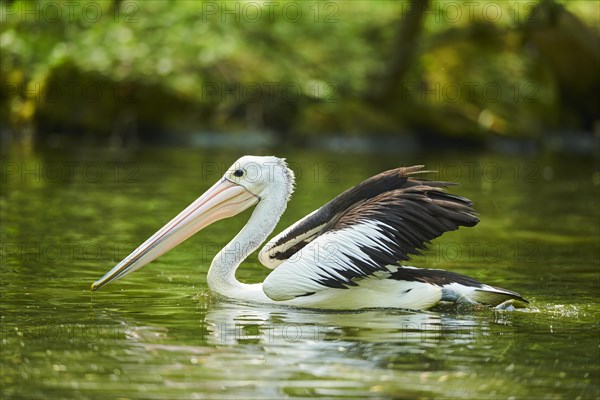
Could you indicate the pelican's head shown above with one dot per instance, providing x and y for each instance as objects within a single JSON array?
[
  {"x": 262, "y": 176},
  {"x": 249, "y": 180}
]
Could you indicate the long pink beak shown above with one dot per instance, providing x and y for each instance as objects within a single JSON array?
[{"x": 224, "y": 199}]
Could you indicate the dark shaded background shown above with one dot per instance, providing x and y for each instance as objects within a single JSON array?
[{"x": 361, "y": 75}]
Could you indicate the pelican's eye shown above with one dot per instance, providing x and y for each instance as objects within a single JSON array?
[{"x": 238, "y": 172}]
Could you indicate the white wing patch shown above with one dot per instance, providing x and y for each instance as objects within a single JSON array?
[
  {"x": 333, "y": 260},
  {"x": 267, "y": 255}
]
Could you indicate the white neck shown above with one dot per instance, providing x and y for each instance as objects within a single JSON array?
[{"x": 221, "y": 275}]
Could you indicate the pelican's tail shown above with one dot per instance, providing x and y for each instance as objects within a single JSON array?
[
  {"x": 455, "y": 288},
  {"x": 483, "y": 294}
]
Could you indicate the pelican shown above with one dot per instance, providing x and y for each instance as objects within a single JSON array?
[{"x": 343, "y": 256}]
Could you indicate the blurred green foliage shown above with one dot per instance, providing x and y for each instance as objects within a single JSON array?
[{"x": 124, "y": 69}]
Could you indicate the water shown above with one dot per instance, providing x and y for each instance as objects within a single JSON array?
[{"x": 69, "y": 216}]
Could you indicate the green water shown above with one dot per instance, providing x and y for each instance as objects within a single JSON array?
[{"x": 69, "y": 216}]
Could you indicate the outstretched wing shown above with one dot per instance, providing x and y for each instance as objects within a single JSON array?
[
  {"x": 292, "y": 240},
  {"x": 369, "y": 236}
]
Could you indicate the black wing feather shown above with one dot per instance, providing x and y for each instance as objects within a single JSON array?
[
  {"x": 409, "y": 218},
  {"x": 396, "y": 179}
]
